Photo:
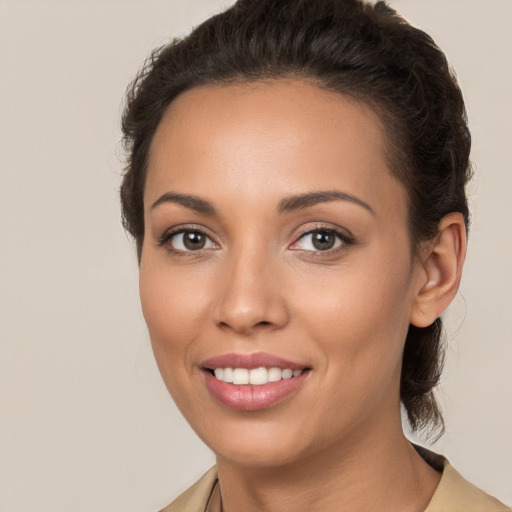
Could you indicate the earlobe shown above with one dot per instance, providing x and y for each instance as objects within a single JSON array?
[{"x": 442, "y": 263}]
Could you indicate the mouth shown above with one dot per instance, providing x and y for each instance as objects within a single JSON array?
[
  {"x": 252, "y": 382},
  {"x": 254, "y": 376}
]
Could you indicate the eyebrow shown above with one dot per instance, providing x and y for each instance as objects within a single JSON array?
[
  {"x": 302, "y": 201},
  {"x": 188, "y": 201},
  {"x": 286, "y": 205}
]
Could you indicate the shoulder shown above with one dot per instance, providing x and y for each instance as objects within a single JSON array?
[
  {"x": 456, "y": 494},
  {"x": 195, "y": 498}
]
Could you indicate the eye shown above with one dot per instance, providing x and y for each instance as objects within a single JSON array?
[
  {"x": 320, "y": 239},
  {"x": 187, "y": 240}
]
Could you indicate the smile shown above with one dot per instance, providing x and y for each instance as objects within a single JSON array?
[
  {"x": 251, "y": 382},
  {"x": 255, "y": 376}
]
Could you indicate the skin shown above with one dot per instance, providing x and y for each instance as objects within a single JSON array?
[{"x": 259, "y": 285}]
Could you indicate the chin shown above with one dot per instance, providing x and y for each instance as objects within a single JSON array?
[
  {"x": 268, "y": 454},
  {"x": 253, "y": 440},
  {"x": 266, "y": 442}
]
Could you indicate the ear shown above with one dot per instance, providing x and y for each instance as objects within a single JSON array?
[{"x": 441, "y": 263}]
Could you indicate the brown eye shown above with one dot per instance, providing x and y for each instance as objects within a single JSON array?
[
  {"x": 323, "y": 240},
  {"x": 193, "y": 240},
  {"x": 187, "y": 241}
]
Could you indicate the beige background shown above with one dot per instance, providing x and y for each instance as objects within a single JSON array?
[{"x": 85, "y": 423}]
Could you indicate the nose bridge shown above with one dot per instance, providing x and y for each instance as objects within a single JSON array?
[{"x": 251, "y": 298}]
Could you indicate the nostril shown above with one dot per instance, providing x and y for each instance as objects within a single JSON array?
[{"x": 263, "y": 323}]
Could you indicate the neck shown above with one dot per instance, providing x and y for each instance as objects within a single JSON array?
[{"x": 360, "y": 474}]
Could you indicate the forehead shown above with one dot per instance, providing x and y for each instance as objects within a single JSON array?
[{"x": 288, "y": 135}]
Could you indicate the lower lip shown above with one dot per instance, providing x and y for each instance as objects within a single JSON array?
[{"x": 252, "y": 398}]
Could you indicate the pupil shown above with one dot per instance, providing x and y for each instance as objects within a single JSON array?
[
  {"x": 323, "y": 240},
  {"x": 194, "y": 240}
]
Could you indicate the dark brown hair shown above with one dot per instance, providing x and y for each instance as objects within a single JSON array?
[{"x": 366, "y": 51}]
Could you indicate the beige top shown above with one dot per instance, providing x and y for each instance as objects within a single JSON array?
[{"x": 453, "y": 494}]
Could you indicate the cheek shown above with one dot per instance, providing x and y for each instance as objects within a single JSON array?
[
  {"x": 360, "y": 315},
  {"x": 359, "y": 327},
  {"x": 174, "y": 310}
]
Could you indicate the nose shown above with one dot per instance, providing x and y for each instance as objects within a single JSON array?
[{"x": 251, "y": 298}]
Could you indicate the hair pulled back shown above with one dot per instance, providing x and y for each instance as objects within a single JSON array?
[{"x": 355, "y": 48}]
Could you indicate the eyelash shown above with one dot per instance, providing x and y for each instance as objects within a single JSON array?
[
  {"x": 166, "y": 238},
  {"x": 344, "y": 238}
]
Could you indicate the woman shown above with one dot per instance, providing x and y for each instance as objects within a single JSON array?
[{"x": 295, "y": 188}]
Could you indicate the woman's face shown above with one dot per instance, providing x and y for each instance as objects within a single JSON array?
[{"x": 276, "y": 237}]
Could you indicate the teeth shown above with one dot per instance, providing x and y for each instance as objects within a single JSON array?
[
  {"x": 287, "y": 374},
  {"x": 274, "y": 374},
  {"x": 256, "y": 376},
  {"x": 240, "y": 376},
  {"x": 227, "y": 374}
]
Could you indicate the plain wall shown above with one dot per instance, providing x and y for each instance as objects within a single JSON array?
[{"x": 85, "y": 421}]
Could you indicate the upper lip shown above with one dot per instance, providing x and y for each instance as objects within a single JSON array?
[{"x": 250, "y": 361}]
